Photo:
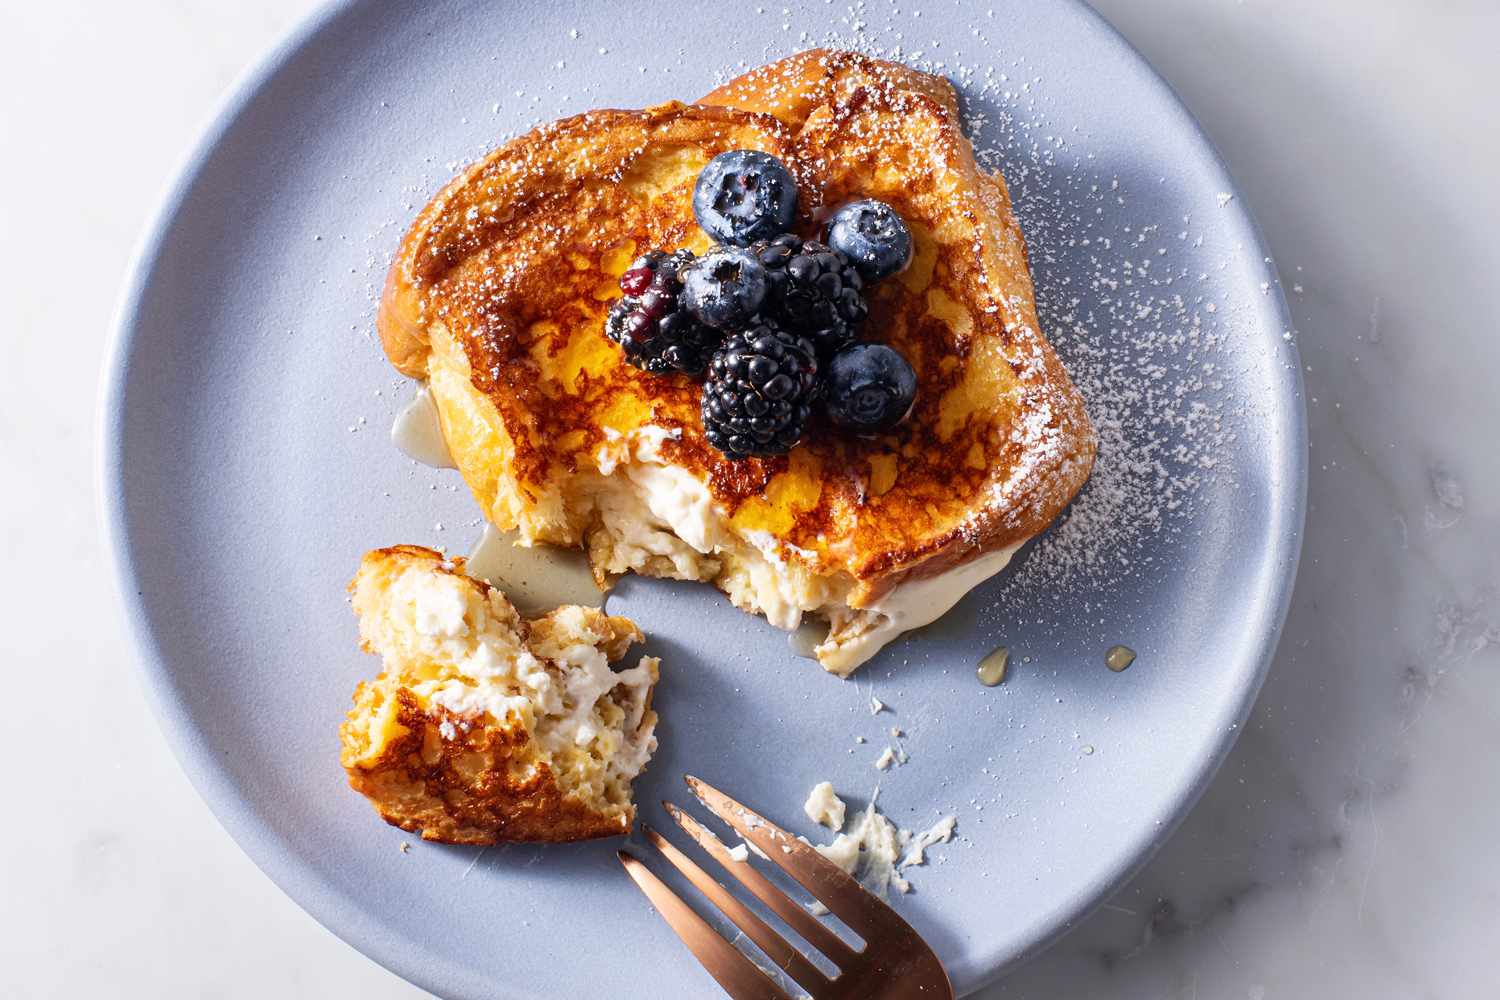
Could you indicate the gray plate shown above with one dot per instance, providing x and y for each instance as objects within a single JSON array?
[{"x": 246, "y": 467}]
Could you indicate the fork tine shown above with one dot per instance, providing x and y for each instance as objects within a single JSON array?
[
  {"x": 828, "y": 883},
  {"x": 739, "y": 976},
  {"x": 774, "y": 945},
  {"x": 812, "y": 930}
]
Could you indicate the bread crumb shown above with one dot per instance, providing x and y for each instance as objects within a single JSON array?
[{"x": 824, "y": 807}]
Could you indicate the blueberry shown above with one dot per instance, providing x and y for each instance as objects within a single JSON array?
[
  {"x": 724, "y": 287},
  {"x": 872, "y": 235},
  {"x": 870, "y": 388},
  {"x": 745, "y": 195}
]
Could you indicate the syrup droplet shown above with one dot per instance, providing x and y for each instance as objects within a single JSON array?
[
  {"x": 992, "y": 667},
  {"x": 1119, "y": 657},
  {"x": 806, "y": 638},
  {"x": 535, "y": 578},
  {"x": 418, "y": 432}
]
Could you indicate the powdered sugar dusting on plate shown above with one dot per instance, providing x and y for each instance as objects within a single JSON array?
[{"x": 1138, "y": 330}]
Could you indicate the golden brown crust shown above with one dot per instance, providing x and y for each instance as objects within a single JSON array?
[
  {"x": 503, "y": 281},
  {"x": 791, "y": 89},
  {"x": 824, "y": 94},
  {"x": 483, "y": 786},
  {"x": 566, "y": 172},
  {"x": 468, "y": 779}
]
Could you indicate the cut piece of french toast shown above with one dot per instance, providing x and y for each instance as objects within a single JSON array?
[
  {"x": 483, "y": 726},
  {"x": 497, "y": 297}
]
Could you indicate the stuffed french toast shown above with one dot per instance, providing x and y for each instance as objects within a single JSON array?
[{"x": 620, "y": 366}]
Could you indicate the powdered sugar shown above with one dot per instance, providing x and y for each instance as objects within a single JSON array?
[
  {"x": 1139, "y": 339},
  {"x": 1139, "y": 332}
]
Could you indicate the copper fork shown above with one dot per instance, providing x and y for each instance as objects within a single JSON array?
[{"x": 894, "y": 963}]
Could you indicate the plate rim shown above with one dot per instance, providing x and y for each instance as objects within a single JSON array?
[{"x": 298, "y": 879}]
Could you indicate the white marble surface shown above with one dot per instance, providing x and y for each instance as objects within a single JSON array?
[{"x": 1346, "y": 849}]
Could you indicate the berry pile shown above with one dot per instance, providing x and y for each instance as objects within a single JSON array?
[{"x": 771, "y": 318}]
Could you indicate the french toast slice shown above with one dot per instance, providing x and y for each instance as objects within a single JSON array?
[
  {"x": 483, "y": 726},
  {"x": 497, "y": 297}
]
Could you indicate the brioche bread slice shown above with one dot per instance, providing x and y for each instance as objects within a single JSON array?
[
  {"x": 497, "y": 296},
  {"x": 485, "y": 727}
]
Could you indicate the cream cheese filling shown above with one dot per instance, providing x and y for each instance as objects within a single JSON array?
[
  {"x": 671, "y": 517},
  {"x": 858, "y": 634},
  {"x": 667, "y": 524},
  {"x": 555, "y": 690}
]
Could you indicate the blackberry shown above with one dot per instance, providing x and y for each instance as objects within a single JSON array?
[
  {"x": 760, "y": 389},
  {"x": 813, "y": 290},
  {"x": 655, "y": 329}
]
